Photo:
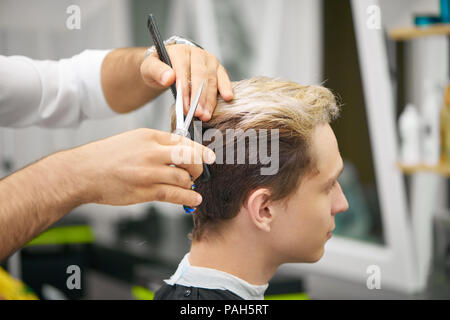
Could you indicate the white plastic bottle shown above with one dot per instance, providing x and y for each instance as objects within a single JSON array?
[
  {"x": 409, "y": 125},
  {"x": 431, "y": 110}
]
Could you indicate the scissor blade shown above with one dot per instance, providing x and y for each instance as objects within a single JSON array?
[
  {"x": 193, "y": 107},
  {"x": 179, "y": 108}
]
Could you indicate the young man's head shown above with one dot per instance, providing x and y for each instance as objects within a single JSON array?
[{"x": 289, "y": 213}]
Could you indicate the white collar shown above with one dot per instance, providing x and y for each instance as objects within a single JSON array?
[{"x": 192, "y": 276}]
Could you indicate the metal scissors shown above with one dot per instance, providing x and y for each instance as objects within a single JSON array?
[{"x": 182, "y": 124}]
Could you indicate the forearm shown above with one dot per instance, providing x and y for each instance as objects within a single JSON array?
[
  {"x": 129, "y": 168},
  {"x": 35, "y": 197},
  {"x": 122, "y": 84}
]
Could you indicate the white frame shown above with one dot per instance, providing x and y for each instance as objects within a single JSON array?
[{"x": 346, "y": 258}]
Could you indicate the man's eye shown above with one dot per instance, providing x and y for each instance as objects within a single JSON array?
[{"x": 331, "y": 186}]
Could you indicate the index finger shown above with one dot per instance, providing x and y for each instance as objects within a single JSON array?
[
  {"x": 173, "y": 140},
  {"x": 224, "y": 84},
  {"x": 181, "y": 58},
  {"x": 190, "y": 158},
  {"x": 198, "y": 74}
]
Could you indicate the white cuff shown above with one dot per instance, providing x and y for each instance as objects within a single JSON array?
[{"x": 88, "y": 66}]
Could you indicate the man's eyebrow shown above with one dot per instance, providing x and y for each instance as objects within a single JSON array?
[{"x": 334, "y": 178}]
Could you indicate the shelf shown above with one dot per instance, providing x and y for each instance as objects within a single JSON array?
[
  {"x": 406, "y": 33},
  {"x": 441, "y": 169}
]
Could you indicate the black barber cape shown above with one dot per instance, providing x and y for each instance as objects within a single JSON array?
[{"x": 179, "y": 292}]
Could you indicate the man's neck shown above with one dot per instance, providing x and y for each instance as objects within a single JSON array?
[{"x": 231, "y": 255}]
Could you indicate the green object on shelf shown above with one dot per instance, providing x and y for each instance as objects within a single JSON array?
[
  {"x": 288, "y": 296},
  {"x": 141, "y": 293},
  {"x": 64, "y": 235}
]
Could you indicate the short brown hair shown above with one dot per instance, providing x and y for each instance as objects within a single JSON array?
[{"x": 261, "y": 103}]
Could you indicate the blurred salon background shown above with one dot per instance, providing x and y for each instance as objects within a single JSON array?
[{"x": 377, "y": 56}]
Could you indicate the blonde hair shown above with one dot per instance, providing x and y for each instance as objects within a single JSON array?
[
  {"x": 262, "y": 103},
  {"x": 273, "y": 103}
]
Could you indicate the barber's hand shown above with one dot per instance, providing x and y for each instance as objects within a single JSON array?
[
  {"x": 191, "y": 65},
  {"x": 135, "y": 167}
]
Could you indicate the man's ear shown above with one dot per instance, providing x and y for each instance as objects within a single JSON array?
[{"x": 258, "y": 209}]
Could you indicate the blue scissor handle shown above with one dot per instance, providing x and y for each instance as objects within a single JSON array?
[{"x": 187, "y": 209}]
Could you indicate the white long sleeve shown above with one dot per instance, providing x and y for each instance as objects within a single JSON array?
[{"x": 52, "y": 93}]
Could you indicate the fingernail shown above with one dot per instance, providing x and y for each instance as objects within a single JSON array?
[
  {"x": 210, "y": 156},
  {"x": 199, "y": 199},
  {"x": 165, "y": 77}
]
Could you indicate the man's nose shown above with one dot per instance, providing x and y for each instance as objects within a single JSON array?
[{"x": 341, "y": 203}]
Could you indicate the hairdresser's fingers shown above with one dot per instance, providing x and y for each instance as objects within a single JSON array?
[
  {"x": 176, "y": 195},
  {"x": 156, "y": 74},
  {"x": 191, "y": 158},
  {"x": 185, "y": 150},
  {"x": 166, "y": 138},
  {"x": 211, "y": 89},
  {"x": 169, "y": 175},
  {"x": 173, "y": 142},
  {"x": 180, "y": 56},
  {"x": 195, "y": 170},
  {"x": 199, "y": 72},
  {"x": 175, "y": 149},
  {"x": 224, "y": 84},
  {"x": 190, "y": 154}
]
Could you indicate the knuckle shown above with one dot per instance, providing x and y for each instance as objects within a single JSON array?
[
  {"x": 161, "y": 195},
  {"x": 197, "y": 170},
  {"x": 144, "y": 69},
  {"x": 199, "y": 63},
  {"x": 201, "y": 72},
  {"x": 147, "y": 178},
  {"x": 212, "y": 77},
  {"x": 196, "y": 50},
  {"x": 182, "y": 141},
  {"x": 172, "y": 196},
  {"x": 174, "y": 50},
  {"x": 145, "y": 132},
  {"x": 185, "y": 48},
  {"x": 159, "y": 136},
  {"x": 187, "y": 179},
  {"x": 212, "y": 84},
  {"x": 213, "y": 62},
  {"x": 183, "y": 178},
  {"x": 149, "y": 156}
]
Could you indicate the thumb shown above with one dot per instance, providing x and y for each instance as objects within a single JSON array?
[{"x": 154, "y": 71}]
